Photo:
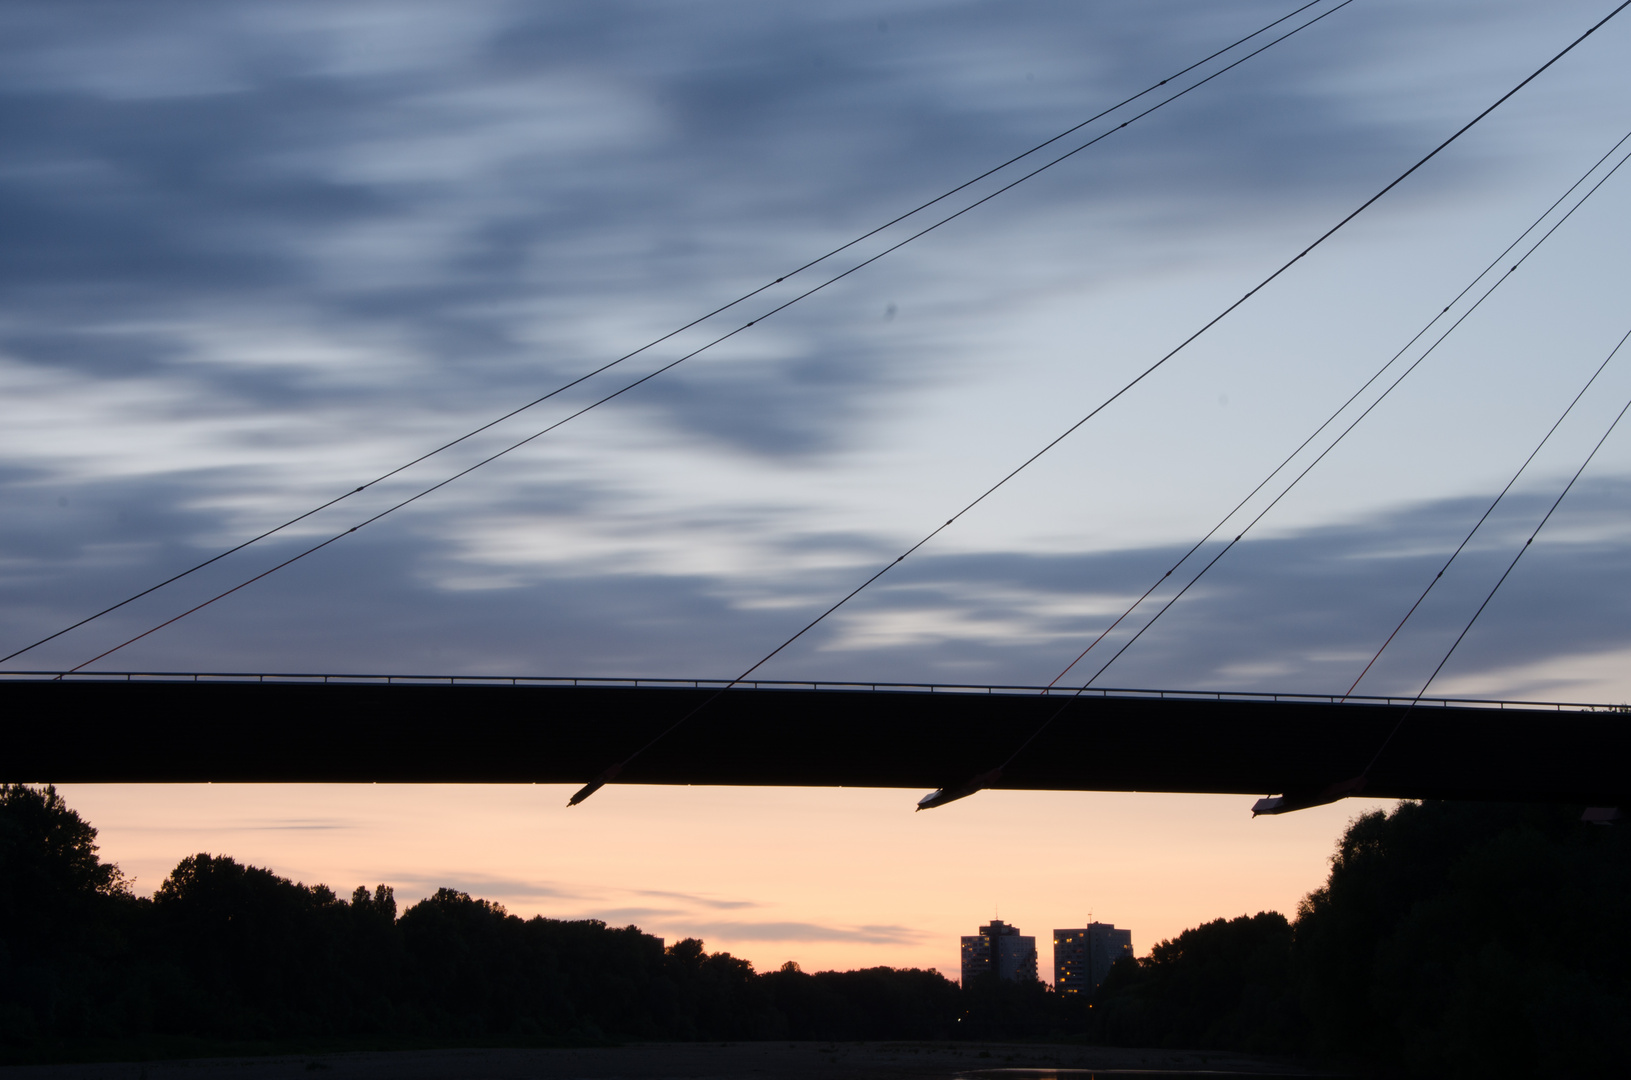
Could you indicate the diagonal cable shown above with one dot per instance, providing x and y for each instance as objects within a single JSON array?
[
  {"x": 1356, "y": 422},
  {"x": 945, "y": 795},
  {"x": 617, "y": 767},
  {"x": 1368, "y": 382},
  {"x": 1493, "y": 589},
  {"x": 1352, "y": 398},
  {"x": 671, "y": 334},
  {"x": 732, "y": 333},
  {"x": 1485, "y": 517}
]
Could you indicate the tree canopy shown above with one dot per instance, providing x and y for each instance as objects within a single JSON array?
[{"x": 1450, "y": 940}]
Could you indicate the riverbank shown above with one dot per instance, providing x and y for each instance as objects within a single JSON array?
[{"x": 686, "y": 1061}]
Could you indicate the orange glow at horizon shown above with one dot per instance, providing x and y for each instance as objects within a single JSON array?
[{"x": 831, "y": 878}]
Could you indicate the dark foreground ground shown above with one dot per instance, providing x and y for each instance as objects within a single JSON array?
[{"x": 693, "y": 1061}]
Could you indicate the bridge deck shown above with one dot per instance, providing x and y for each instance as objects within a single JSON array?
[{"x": 146, "y": 728}]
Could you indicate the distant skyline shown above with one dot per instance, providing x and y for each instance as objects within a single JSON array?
[{"x": 257, "y": 255}]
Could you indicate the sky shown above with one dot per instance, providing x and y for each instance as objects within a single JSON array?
[{"x": 254, "y": 256}]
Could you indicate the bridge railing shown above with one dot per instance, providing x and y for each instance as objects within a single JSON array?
[{"x": 783, "y": 684}]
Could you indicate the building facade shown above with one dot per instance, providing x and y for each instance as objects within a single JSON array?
[
  {"x": 1000, "y": 948},
  {"x": 1082, "y": 957}
]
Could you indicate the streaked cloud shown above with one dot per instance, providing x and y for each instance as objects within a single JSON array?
[
  {"x": 700, "y": 901},
  {"x": 255, "y": 257},
  {"x": 485, "y": 886},
  {"x": 800, "y": 931}
]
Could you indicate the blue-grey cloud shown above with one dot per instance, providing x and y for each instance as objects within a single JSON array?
[
  {"x": 632, "y": 915},
  {"x": 282, "y": 824},
  {"x": 437, "y": 182},
  {"x": 299, "y": 825},
  {"x": 700, "y": 901},
  {"x": 298, "y": 230},
  {"x": 1300, "y": 612},
  {"x": 799, "y": 931},
  {"x": 484, "y": 886}
]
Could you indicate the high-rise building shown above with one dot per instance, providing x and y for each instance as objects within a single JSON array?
[
  {"x": 1082, "y": 957},
  {"x": 1000, "y": 948}
]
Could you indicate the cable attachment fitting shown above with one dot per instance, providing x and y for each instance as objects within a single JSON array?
[
  {"x": 607, "y": 775},
  {"x": 952, "y": 793},
  {"x": 1302, "y": 799}
]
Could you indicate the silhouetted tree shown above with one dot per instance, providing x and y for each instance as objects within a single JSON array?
[
  {"x": 1458, "y": 939},
  {"x": 64, "y": 916},
  {"x": 1224, "y": 984},
  {"x": 477, "y": 970},
  {"x": 997, "y": 1008},
  {"x": 718, "y": 994},
  {"x": 53, "y": 888},
  {"x": 872, "y": 1003},
  {"x": 1450, "y": 940},
  {"x": 252, "y": 955}
]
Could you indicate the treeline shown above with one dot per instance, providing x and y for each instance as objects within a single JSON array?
[
  {"x": 230, "y": 954},
  {"x": 1450, "y": 940}
]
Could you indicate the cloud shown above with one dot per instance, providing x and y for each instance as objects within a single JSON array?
[
  {"x": 300, "y": 825},
  {"x": 530, "y": 893},
  {"x": 799, "y": 931},
  {"x": 476, "y": 204},
  {"x": 266, "y": 255},
  {"x": 482, "y": 886},
  {"x": 678, "y": 920},
  {"x": 1298, "y": 612},
  {"x": 700, "y": 901},
  {"x": 325, "y": 824},
  {"x": 619, "y": 916}
]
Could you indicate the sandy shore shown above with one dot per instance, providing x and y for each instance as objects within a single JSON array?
[{"x": 690, "y": 1061}]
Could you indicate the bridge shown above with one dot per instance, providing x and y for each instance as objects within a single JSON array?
[
  {"x": 188, "y": 728},
  {"x": 84, "y": 725}
]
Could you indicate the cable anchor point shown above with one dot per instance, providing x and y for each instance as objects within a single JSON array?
[{"x": 606, "y": 776}]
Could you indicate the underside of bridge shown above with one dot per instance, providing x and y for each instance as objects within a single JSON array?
[{"x": 241, "y": 731}]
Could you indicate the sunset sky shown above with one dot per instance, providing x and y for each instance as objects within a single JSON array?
[{"x": 256, "y": 255}]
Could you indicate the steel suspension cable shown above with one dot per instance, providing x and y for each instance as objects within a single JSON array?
[
  {"x": 1485, "y": 516},
  {"x": 613, "y": 770},
  {"x": 1365, "y": 385},
  {"x": 987, "y": 779},
  {"x": 1167, "y": 606},
  {"x": 671, "y": 334},
  {"x": 1359, "y": 783},
  {"x": 732, "y": 333}
]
